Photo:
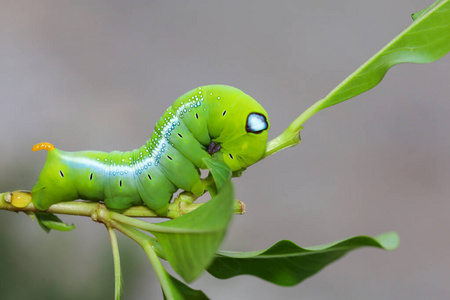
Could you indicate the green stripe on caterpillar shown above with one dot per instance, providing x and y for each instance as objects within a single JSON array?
[{"x": 216, "y": 120}]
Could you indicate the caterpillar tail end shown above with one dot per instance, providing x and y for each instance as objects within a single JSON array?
[{"x": 43, "y": 146}]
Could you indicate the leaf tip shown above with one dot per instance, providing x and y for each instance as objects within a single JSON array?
[{"x": 389, "y": 240}]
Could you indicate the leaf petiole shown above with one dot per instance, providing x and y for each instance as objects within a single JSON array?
[{"x": 118, "y": 279}]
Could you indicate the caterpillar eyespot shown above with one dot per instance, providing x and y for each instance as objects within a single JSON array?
[
  {"x": 191, "y": 129},
  {"x": 256, "y": 123}
]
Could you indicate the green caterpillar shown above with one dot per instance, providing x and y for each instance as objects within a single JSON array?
[{"x": 216, "y": 120}]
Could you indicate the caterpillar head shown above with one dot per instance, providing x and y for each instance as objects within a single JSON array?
[{"x": 243, "y": 127}]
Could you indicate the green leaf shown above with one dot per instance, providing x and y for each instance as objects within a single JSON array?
[
  {"x": 190, "y": 242},
  {"x": 287, "y": 264},
  {"x": 219, "y": 170},
  {"x": 181, "y": 291},
  {"x": 425, "y": 40},
  {"x": 49, "y": 221}
]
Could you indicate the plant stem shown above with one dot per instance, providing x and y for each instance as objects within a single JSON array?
[
  {"x": 160, "y": 271},
  {"x": 117, "y": 270},
  {"x": 87, "y": 209},
  {"x": 103, "y": 215},
  {"x": 144, "y": 225},
  {"x": 291, "y": 136},
  {"x": 147, "y": 243}
]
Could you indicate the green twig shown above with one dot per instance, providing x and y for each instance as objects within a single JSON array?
[
  {"x": 291, "y": 136},
  {"x": 103, "y": 215},
  {"x": 181, "y": 206},
  {"x": 148, "y": 244},
  {"x": 118, "y": 279}
]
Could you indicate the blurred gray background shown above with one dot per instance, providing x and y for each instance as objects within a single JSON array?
[{"x": 98, "y": 74}]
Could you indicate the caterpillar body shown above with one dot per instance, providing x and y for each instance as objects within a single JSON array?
[{"x": 216, "y": 120}]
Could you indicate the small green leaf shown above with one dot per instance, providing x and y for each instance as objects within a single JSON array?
[
  {"x": 287, "y": 264},
  {"x": 190, "y": 242},
  {"x": 49, "y": 221},
  {"x": 419, "y": 14},
  {"x": 180, "y": 291},
  {"x": 219, "y": 170}
]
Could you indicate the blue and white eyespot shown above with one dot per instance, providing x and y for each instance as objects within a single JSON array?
[{"x": 256, "y": 123}]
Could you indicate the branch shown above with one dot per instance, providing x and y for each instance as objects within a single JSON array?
[{"x": 181, "y": 205}]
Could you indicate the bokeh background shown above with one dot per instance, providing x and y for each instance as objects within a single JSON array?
[{"x": 98, "y": 74}]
